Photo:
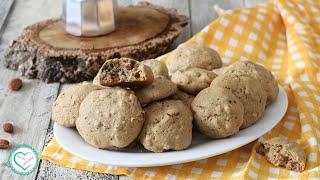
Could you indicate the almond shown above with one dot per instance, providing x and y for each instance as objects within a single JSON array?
[
  {"x": 8, "y": 127},
  {"x": 4, "y": 144},
  {"x": 15, "y": 84}
]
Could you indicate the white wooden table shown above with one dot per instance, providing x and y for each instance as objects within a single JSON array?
[{"x": 29, "y": 109}]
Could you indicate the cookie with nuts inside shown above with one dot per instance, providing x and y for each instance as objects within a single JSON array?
[
  {"x": 220, "y": 71},
  {"x": 184, "y": 97},
  {"x": 65, "y": 110},
  {"x": 159, "y": 89},
  {"x": 258, "y": 72},
  {"x": 248, "y": 90},
  {"x": 158, "y": 68},
  {"x": 123, "y": 72},
  {"x": 217, "y": 112},
  {"x": 186, "y": 56},
  {"x": 168, "y": 126},
  {"x": 111, "y": 117},
  {"x": 281, "y": 152},
  {"x": 193, "y": 80}
]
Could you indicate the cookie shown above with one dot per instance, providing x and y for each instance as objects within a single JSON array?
[
  {"x": 111, "y": 117},
  {"x": 184, "y": 97},
  {"x": 158, "y": 68},
  {"x": 217, "y": 112},
  {"x": 123, "y": 72},
  {"x": 193, "y": 56},
  {"x": 65, "y": 110},
  {"x": 281, "y": 152},
  {"x": 159, "y": 89},
  {"x": 168, "y": 126},
  {"x": 220, "y": 71},
  {"x": 193, "y": 80},
  {"x": 261, "y": 74},
  {"x": 248, "y": 90}
]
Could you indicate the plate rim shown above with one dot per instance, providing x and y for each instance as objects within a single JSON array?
[{"x": 139, "y": 163}]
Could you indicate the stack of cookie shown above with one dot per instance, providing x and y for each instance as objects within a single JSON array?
[
  {"x": 130, "y": 99},
  {"x": 127, "y": 98},
  {"x": 236, "y": 99},
  {"x": 227, "y": 98}
]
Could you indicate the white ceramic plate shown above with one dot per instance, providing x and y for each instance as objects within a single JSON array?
[{"x": 202, "y": 147}]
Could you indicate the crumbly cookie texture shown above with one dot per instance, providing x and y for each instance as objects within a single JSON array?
[
  {"x": 248, "y": 90},
  {"x": 193, "y": 56},
  {"x": 65, "y": 110},
  {"x": 124, "y": 72},
  {"x": 111, "y": 117},
  {"x": 193, "y": 80},
  {"x": 158, "y": 68},
  {"x": 159, "y": 89},
  {"x": 184, "y": 97},
  {"x": 281, "y": 152},
  {"x": 260, "y": 73},
  {"x": 168, "y": 126},
  {"x": 220, "y": 71},
  {"x": 217, "y": 112}
]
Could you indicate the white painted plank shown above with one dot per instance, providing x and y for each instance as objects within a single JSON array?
[
  {"x": 29, "y": 111},
  {"x": 29, "y": 108},
  {"x": 202, "y": 12},
  {"x": 5, "y": 7}
]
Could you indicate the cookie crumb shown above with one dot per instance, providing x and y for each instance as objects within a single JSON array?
[{"x": 281, "y": 152}]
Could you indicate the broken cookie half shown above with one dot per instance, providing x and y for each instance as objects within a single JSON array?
[
  {"x": 281, "y": 152},
  {"x": 124, "y": 72}
]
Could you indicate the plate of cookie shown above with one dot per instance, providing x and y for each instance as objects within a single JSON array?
[{"x": 135, "y": 114}]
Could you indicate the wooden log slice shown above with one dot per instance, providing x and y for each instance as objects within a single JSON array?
[
  {"x": 45, "y": 51},
  {"x": 136, "y": 26}
]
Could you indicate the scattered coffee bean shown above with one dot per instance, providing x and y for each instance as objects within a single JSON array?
[
  {"x": 8, "y": 127},
  {"x": 4, "y": 144},
  {"x": 15, "y": 84}
]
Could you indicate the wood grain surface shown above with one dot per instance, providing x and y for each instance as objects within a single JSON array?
[
  {"x": 5, "y": 7},
  {"x": 30, "y": 108},
  {"x": 145, "y": 28}
]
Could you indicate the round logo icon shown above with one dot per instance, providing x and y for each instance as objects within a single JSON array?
[{"x": 23, "y": 160}]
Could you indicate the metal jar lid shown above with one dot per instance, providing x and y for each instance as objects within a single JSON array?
[{"x": 89, "y": 17}]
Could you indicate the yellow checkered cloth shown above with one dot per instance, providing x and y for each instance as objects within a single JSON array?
[{"x": 282, "y": 35}]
